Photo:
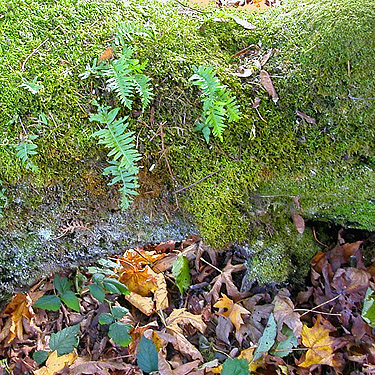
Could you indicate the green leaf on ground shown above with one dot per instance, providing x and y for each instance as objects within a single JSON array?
[
  {"x": 62, "y": 284},
  {"x": 268, "y": 338},
  {"x": 181, "y": 272},
  {"x": 235, "y": 366},
  {"x": 283, "y": 348},
  {"x": 65, "y": 340},
  {"x": 118, "y": 311},
  {"x": 48, "y": 303},
  {"x": 105, "y": 318},
  {"x": 116, "y": 287},
  {"x": 368, "y": 310},
  {"x": 119, "y": 332},
  {"x": 40, "y": 356},
  {"x": 97, "y": 292},
  {"x": 70, "y": 300},
  {"x": 147, "y": 355}
]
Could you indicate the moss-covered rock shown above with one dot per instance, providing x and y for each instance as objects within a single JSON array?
[{"x": 322, "y": 65}]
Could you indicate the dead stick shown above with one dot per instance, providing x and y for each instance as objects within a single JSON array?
[
  {"x": 33, "y": 53},
  {"x": 197, "y": 182},
  {"x": 317, "y": 312},
  {"x": 324, "y": 303}
]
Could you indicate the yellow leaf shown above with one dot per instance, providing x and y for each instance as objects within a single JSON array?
[
  {"x": 319, "y": 342},
  {"x": 233, "y": 310},
  {"x": 144, "y": 304},
  {"x": 142, "y": 282},
  {"x": 55, "y": 364},
  {"x": 161, "y": 293},
  {"x": 248, "y": 354},
  {"x": 181, "y": 316},
  {"x": 19, "y": 308}
]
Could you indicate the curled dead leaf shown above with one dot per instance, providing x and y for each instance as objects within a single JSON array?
[
  {"x": 310, "y": 120},
  {"x": 266, "y": 82},
  {"x": 106, "y": 55}
]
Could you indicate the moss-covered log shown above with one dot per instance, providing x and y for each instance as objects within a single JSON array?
[{"x": 322, "y": 65}]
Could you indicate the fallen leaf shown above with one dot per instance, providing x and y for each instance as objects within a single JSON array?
[
  {"x": 19, "y": 308},
  {"x": 161, "y": 293},
  {"x": 320, "y": 344},
  {"x": 244, "y": 51},
  {"x": 226, "y": 278},
  {"x": 298, "y": 222},
  {"x": 144, "y": 304},
  {"x": 85, "y": 366},
  {"x": 245, "y": 24},
  {"x": 266, "y": 57},
  {"x": 55, "y": 364},
  {"x": 256, "y": 102},
  {"x": 142, "y": 282},
  {"x": 244, "y": 72},
  {"x": 233, "y": 310},
  {"x": 284, "y": 313},
  {"x": 266, "y": 82},
  {"x": 182, "y": 316},
  {"x": 306, "y": 117},
  {"x": 223, "y": 329},
  {"x": 136, "y": 334},
  {"x": 106, "y": 55}
]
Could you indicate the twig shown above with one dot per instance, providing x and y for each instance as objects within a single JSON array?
[
  {"x": 316, "y": 238},
  {"x": 197, "y": 182},
  {"x": 260, "y": 115},
  {"x": 324, "y": 303},
  {"x": 214, "y": 267},
  {"x": 317, "y": 312},
  {"x": 33, "y": 53},
  {"x": 275, "y": 196}
]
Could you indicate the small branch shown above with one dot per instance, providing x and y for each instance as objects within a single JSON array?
[
  {"x": 197, "y": 182},
  {"x": 317, "y": 312},
  {"x": 316, "y": 239},
  {"x": 214, "y": 267},
  {"x": 322, "y": 304},
  {"x": 33, "y": 53}
]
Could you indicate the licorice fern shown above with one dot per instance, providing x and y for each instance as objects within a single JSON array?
[
  {"x": 219, "y": 106},
  {"x": 125, "y": 31},
  {"x": 124, "y": 155},
  {"x": 25, "y": 149}
]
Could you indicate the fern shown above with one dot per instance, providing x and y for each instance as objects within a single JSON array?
[
  {"x": 124, "y": 155},
  {"x": 219, "y": 106},
  {"x": 25, "y": 149},
  {"x": 124, "y": 76},
  {"x": 125, "y": 31}
]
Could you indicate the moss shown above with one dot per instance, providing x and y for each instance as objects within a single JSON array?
[{"x": 323, "y": 51}]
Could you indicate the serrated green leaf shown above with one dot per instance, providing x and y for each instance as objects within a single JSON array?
[
  {"x": 70, "y": 300},
  {"x": 48, "y": 303},
  {"x": 283, "y": 348},
  {"x": 147, "y": 355},
  {"x": 105, "y": 318},
  {"x": 97, "y": 292},
  {"x": 62, "y": 284},
  {"x": 116, "y": 286},
  {"x": 181, "y": 272},
  {"x": 40, "y": 356},
  {"x": 119, "y": 332},
  {"x": 65, "y": 340},
  {"x": 235, "y": 366},
  {"x": 98, "y": 278},
  {"x": 268, "y": 338},
  {"x": 118, "y": 312}
]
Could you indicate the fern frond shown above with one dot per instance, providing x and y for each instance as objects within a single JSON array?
[
  {"x": 120, "y": 80},
  {"x": 120, "y": 143},
  {"x": 143, "y": 87},
  {"x": 127, "y": 179},
  {"x": 219, "y": 105},
  {"x": 125, "y": 31},
  {"x": 25, "y": 150}
]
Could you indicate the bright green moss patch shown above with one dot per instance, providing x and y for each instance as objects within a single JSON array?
[{"x": 322, "y": 65}]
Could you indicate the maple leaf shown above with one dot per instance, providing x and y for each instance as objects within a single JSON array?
[
  {"x": 226, "y": 278},
  {"x": 320, "y": 344},
  {"x": 19, "y": 308},
  {"x": 233, "y": 310},
  {"x": 284, "y": 313},
  {"x": 140, "y": 281},
  {"x": 55, "y": 364}
]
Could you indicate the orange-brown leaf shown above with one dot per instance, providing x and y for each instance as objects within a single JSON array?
[
  {"x": 320, "y": 344},
  {"x": 55, "y": 364},
  {"x": 141, "y": 282},
  {"x": 106, "y": 55},
  {"x": 19, "y": 308},
  {"x": 233, "y": 310}
]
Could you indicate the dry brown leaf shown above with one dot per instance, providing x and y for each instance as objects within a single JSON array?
[
  {"x": 244, "y": 72},
  {"x": 106, "y": 55},
  {"x": 161, "y": 293},
  {"x": 85, "y": 366},
  {"x": 19, "y": 308},
  {"x": 223, "y": 329},
  {"x": 55, "y": 364},
  {"x": 266, "y": 57},
  {"x": 144, "y": 304},
  {"x": 182, "y": 316},
  {"x": 320, "y": 344},
  {"x": 141, "y": 282},
  {"x": 226, "y": 278},
  {"x": 136, "y": 334},
  {"x": 298, "y": 222},
  {"x": 233, "y": 310},
  {"x": 310, "y": 120},
  {"x": 202, "y": 248},
  {"x": 266, "y": 82},
  {"x": 284, "y": 313}
]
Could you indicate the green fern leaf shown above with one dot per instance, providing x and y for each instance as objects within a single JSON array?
[
  {"x": 219, "y": 106},
  {"x": 128, "y": 180},
  {"x": 143, "y": 87},
  {"x": 25, "y": 150},
  {"x": 125, "y": 31}
]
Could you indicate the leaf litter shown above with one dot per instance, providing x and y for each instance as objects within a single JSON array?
[{"x": 213, "y": 327}]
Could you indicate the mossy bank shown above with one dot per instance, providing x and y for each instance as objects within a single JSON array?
[{"x": 322, "y": 66}]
